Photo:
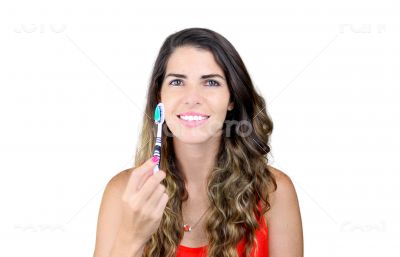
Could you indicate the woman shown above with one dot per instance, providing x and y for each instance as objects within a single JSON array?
[{"x": 215, "y": 193}]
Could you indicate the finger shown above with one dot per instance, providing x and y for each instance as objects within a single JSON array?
[
  {"x": 144, "y": 178},
  {"x": 156, "y": 196},
  {"x": 150, "y": 185},
  {"x": 162, "y": 203},
  {"x": 137, "y": 175}
]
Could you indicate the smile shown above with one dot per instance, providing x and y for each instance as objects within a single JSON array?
[{"x": 193, "y": 120}]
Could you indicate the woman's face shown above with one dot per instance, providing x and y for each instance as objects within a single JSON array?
[{"x": 195, "y": 95}]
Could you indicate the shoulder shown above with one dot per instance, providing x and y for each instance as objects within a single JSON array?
[
  {"x": 110, "y": 213},
  {"x": 284, "y": 218},
  {"x": 120, "y": 177},
  {"x": 283, "y": 182},
  {"x": 118, "y": 182},
  {"x": 112, "y": 195},
  {"x": 285, "y": 195},
  {"x": 113, "y": 191}
]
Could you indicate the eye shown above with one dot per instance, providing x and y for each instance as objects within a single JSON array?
[
  {"x": 172, "y": 82},
  {"x": 214, "y": 83}
]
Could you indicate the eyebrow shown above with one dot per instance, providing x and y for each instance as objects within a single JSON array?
[{"x": 202, "y": 77}]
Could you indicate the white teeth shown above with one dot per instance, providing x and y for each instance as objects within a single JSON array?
[{"x": 190, "y": 118}]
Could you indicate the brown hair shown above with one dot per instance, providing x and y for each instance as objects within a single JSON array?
[{"x": 240, "y": 179}]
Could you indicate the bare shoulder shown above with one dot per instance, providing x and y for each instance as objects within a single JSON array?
[
  {"x": 283, "y": 181},
  {"x": 285, "y": 193},
  {"x": 116, "y": 186},
  {"x": 109, "y": 216},
  {"x": 284, "y": 218},
  {"x": 119, "y": 180}
]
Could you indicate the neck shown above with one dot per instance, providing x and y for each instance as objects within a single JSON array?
[{"x": 196, "y": 161}]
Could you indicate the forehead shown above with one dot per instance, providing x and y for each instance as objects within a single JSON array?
[{"x": 191, "y": 60}]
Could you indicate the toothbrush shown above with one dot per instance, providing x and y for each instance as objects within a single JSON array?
[{"x": 159, "y": 117}]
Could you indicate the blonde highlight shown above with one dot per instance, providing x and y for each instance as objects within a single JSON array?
[{"x": 240, "y": 179}]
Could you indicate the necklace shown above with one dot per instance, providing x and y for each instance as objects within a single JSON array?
[{"x": 188, "y": 228}]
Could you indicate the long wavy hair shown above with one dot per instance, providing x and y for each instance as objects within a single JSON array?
[{"x": 240, "y": 179}]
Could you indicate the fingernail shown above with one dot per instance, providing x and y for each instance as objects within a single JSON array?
[{"x": 155, "y": 159}]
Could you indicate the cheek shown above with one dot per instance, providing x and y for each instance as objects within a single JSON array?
[
  {"x": 169, "y": 107},
  {"x": 168, "y": 112},
  {"x": 164, "y": 99},
  {"x": 220, "y": 104}
]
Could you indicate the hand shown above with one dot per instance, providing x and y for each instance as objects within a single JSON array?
[{"x": 144, "y": 201}]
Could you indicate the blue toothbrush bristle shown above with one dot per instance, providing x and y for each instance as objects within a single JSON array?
[{"x": 159, "y": 114}]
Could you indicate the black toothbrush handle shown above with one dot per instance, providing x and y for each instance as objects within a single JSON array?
[{"x": 157, "y": 152}]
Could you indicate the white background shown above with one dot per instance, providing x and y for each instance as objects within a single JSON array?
[{"x": 73, "y": 78}]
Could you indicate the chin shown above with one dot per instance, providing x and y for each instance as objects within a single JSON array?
[{"x": 192, "y": 137}]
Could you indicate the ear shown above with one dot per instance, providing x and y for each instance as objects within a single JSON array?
[{"x": 230, "y": 106}]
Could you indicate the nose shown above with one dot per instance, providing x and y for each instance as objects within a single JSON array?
[{"x": 193, "y": 95}]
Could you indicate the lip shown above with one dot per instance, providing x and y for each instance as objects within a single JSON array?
[
  {"x": 193, "y": 123},
  {"x": 193, "y": 114}
]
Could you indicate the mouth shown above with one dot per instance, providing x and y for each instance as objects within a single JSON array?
[{"x": 193, "y": 120}]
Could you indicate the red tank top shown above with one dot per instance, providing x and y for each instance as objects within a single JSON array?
[{"x": 262, "y": 250}]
